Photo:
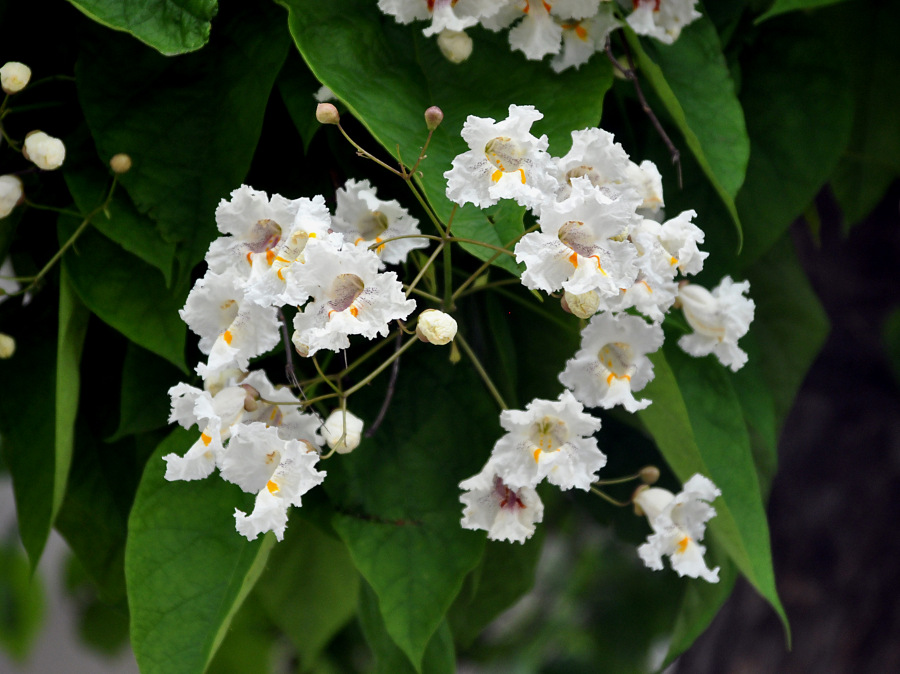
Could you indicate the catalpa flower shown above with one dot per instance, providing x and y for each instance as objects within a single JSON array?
[
  {"x": 504, "y": 162},
  {"x": 719, "y": 318},
  {"x": 364, "y": 220},
  {"x": 581, "y": 38},
  {"x": 582, "y": 245},
  {"x": 506, "y": 514},
  {"x": 551, "y": 439},
  {"x": 679, "y": 523},
  {"x": 231, "y": 330},
  {"x": 216, "y": 415},
  {"x": 286, "y": 416},
  {"x": 662, "y": 19},
  {"x": 539, "y": 33},
  {"x": 612, "y": 362},
  {"x": 350, "y": 297},
  {"x": 596, "y": 156},
  {"x": 279, "y": 471},
  {"x": 455, "y": 15}
]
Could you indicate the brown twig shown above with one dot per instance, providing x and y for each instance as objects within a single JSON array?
[{"x": 389, "y": 395}]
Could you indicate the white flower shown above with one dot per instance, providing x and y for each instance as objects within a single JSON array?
[
  {"x": 580, "y": 39},
  {"x": 537, "y": 34},
  {"x": 216, "y": 415},
  {"x": 280, "y": 472},
  {"x": 719, "y": 318},
  {"x": 679, "y": 523},
  {"x": 8, "y": 284},
  {"x": 504, "y": 161},
  {"x": 662, "y": 19},
  {"x": 364, "y": 219},
  {"x": 231, "y": 330},
  {"x": 506, "y": 514},
  {"x": 436, "y": 327},
  {"x": 677, "y": 240},
  {"x": 596, "y": 156},
  {"x": 455, "y": 45},
  {"x": 350, "y": 297},
  {"x": 342, "y": 431},
  {"x": 11, "y": 194},
  {"x": 612, "y": 362},
  {"x": 14, "y": 76},
  {"x": 324, "y": 94},
  {"x": 552, "y": 439},
  {"x": 582, "y": 245},
  {"x": 286, "y": 416},
  {"x": 46, "y": 152},
  {"x": 455, "y": 15}
]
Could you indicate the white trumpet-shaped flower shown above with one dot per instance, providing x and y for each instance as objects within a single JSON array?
[
  {"x": 506, "y": 514},
  {"x": 719, "y": 318}
]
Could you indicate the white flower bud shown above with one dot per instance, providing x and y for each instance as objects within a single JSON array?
[
  {"x": 583, "y": 305},
  {"x": 326, "y": 113},
  {"x": 120, "y": 163},
  {"x": 340, "y": 439},
  {"x": 45, "y": 151},
  {"x": 7, "y": 346},
  {"x": 455, "y": 45},
  {"x": 433, "y": 117},
  {"x": 10, "y": 194},
  {"x": 14, "y": 76},
  {"x": 651, "y": 501},
  {"x": 435, "y": 327}
]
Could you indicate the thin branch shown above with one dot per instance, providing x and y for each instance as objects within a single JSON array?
[{"x": 389, "y": 395}]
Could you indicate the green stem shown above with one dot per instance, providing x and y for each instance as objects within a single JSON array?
[
  {"x": 481, "y": 371},
  {"x": 62, "y": 211},
  {"x": 367, "y": 155},
  {"x": 428, "y": 263},
  {"x": 492, "y": 284},
  {"x": 427, "y": 296},
  {"x": 448, "y": 279},
  {"x": 378, "y": 370},
  {"x": 334, "y": 387},
  {"x": 610, "y": 499}
]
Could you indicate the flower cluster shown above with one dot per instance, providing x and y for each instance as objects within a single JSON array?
[
  {"x": 276, "y": 252},
  {"x": 569, "y": 30},
  {"x": 602, "y": 245}
]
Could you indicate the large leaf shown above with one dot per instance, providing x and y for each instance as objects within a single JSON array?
[
  {"x": 698, "y": 424},
  {"x": 170, "y": 26},
  {"x": 38, "y": 420},
  {"x": 146, "y": 381},
  {"x": 692, "y": 80},
  {"x": 120, "y": 221},
  {"x": 872, "y": 159},
  {"x": 190, "y": 124},
  {"x": 389, "y": 74},
  {"x": 310, "y": 565},
  {"x": 398, "y": 500},
  {"x": 784, "y": 6},
  {"x": 186, "y": 568},
  {"x": 439, "y": 656},
  {"x": 126, "y": 292},
  {"x": 799, "y": 108},
  {"x": 22, "y": 605}
]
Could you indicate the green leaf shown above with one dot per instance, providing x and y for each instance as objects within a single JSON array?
[
  {"x": 871, "y": 161},
  {"x": 439, "y": 658},
  {"x": 783, "y": 6},
  {"x": 121, "y": 222},
  {"x": 190, "y": 124},
  {"x": 692, "y": 80},
  {"x": 186, "y": 567},
  {"x": 38, "y": 422},
  {"x": 790, "y": 327},
  {"x": 297, "y": 86},
  {"x": 146, "y": 381},
  {"x": 126, "y": 292},
  {"x": 388, "y": 75},
  {"x": 169, "y": 26},
  {"x": 699, "y": 427},
  {"x": 22, "y": 603},
  {"x": 310, "y": 565},
  {"x": 506, "y": 572},
  {"x": 397, "y": 495},
  {"x": 28, "y": 426},
  {"x": 73, "y": 320},
  {"x": 798, "y": 102}
]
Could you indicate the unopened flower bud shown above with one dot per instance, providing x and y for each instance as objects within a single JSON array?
[
  {"x": 7, "y": 346},
  {"x": 455, "y": 45},
  {"x": 433, "y": 117},
  {"x": 46, "y": 152},
  {"x": 14, "y": 76},
  {"x": 651, "y": 501},
  {"x": 11, "y": 194},
  {"x": 649, "y": 474},
  {"x": 326, "y": 113},
  {"x": 342, "y": 439},
  {"x": 251, "y": 398},
  {"x": 584, "y": 305},
  {"x": 435, "y": 327},
  {"x": 120, "y": 163}
]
